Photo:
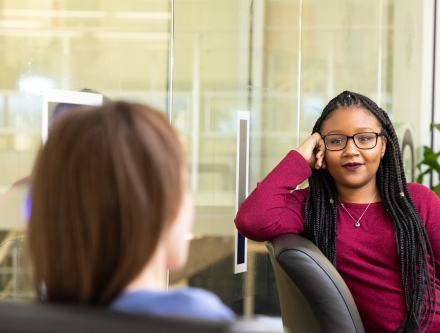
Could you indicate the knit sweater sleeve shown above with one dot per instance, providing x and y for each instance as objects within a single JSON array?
[
  {"x": 428, "y": 206},
  {"x": 274, "y": 207}
]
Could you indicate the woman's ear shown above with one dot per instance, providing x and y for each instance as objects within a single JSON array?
[{"x": 384, "y": 146}]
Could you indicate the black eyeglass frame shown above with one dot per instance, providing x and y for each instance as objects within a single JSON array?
[{"x": 351, "y": 137}]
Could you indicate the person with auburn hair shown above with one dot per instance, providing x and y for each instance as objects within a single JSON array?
[
  {"x": 110, "y": 213},
  {"x": 381, "y": 233}
]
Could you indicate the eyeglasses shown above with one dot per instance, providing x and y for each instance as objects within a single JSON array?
[{"x": 364, "y": 140}]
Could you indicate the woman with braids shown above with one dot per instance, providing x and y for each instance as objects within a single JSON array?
[{"x": 381, "y": 233}]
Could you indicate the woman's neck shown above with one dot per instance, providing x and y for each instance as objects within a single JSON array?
[
  {"x": 365, "y": 194},
  {"x": 153, "y": 275}
]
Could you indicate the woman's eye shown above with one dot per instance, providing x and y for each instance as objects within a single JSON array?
[
  {"x": 336, "y": 141},
  {"x": 365, "y": 138}
]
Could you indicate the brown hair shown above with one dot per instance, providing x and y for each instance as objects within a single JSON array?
[{"x": 105, "y": 186}]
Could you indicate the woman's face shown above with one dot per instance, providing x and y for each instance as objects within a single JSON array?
[{"x": 353, "y": 167}]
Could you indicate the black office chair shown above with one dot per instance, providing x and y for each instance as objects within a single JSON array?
[
  {"x": 38, "y": 317},
  {"x": 313, "y": 296}
]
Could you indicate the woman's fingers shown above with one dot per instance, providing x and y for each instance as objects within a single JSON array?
[
  {"x": 320, "y": 153},
  {"x": 320, "y": 161},
  {"x": 313, "y": 151}
]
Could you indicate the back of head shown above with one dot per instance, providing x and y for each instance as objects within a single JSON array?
[{"x": 105, "y": 186}]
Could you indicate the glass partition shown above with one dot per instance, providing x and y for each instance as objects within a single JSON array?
[
  {"x": 220, "y": 56},
  {"x": 118, "y": 49},
  {"x": 282, "y": 60}
]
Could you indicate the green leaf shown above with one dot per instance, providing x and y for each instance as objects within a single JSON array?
[
  {"x": 430, "y": 163},
  {"x": 422, "y": 174},
  {"x": 430, "y": 158},
  {"x": 436, "y": 189},
  {"x": 437, "y": 126}
]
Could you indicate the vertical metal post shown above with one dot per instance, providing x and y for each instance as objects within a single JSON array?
[
  {"x": 379, "y": 56},
  {"x": 195, "y": 115},
  {"x": 170, "y": 84},
  {"x": 431, "y": 178},
  {"x": 298, "y": 107},
  {"x": 256, "y": 81},
  {"x": 171, "y": 65},
  {"x": 242, "y": 183},
  {"x": 15, "y": 269},
  {"x": 331, "y": 66}
]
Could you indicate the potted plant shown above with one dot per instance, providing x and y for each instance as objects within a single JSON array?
[{"x": 431, "y": 162}]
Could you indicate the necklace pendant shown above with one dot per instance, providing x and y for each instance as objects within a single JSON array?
[{"x": 357, "y": 224}]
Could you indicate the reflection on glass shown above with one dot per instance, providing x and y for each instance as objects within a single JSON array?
[
  {"x": 224, "y": 64},
  {"x": 117, "y": 48},
  {"x": 282, "y": 61}
]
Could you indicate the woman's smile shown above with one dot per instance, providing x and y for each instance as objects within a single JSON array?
[{"x": 352, "y": 166}]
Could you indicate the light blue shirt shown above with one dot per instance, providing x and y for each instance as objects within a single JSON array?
[{"x": 181, "y": 302}]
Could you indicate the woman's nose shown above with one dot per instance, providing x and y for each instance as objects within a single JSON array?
[{"x": 351, "y": 146}]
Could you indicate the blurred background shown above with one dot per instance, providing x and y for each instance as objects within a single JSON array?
[{"x": 201, "y": 62}]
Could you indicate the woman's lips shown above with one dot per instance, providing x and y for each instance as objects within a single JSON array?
[{"x": 352, "y": 166}]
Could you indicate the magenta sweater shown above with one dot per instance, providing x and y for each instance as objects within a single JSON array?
[{"x": 366, "y": 257}]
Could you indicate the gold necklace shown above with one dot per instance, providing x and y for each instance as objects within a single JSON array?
[{"x": 357, "y": 222}]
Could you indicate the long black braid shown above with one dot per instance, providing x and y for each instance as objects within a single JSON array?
[{"x": 321, "y": 212}]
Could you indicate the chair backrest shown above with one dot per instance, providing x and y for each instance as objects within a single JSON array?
[
  {"x": 38, "y": 317},
  {"x": 313, "y": 296},
  {"x": 33, "y": 317}
]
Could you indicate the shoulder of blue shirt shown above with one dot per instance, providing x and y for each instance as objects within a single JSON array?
[{"x": 184, "y": 302}]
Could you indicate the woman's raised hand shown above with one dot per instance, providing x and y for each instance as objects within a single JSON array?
[{"x": 313, "y": 149}]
